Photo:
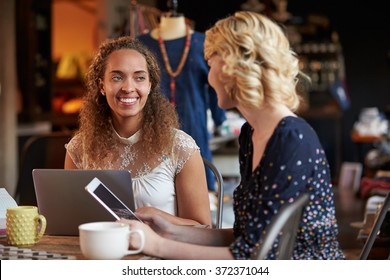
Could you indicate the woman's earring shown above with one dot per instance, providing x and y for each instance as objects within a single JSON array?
[{"x": 102, "y": 92}]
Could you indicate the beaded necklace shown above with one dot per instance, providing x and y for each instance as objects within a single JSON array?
[{"x": 174, "y": 74}]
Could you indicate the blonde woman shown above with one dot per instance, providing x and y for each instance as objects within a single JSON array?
[{"x": 253, "y": 70}]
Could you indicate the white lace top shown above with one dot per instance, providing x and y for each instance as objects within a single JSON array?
[{"x": 153, "y": 181}]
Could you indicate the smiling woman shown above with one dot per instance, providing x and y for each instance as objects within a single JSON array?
[
  {"x": 126, "y": 86},
  {"x": 126, "y": 123}
]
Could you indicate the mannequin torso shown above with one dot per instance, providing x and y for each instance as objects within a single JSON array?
[{"x": 170, "y": 28}]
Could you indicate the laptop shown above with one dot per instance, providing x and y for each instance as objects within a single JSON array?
[{"x": 63, "y": 200}]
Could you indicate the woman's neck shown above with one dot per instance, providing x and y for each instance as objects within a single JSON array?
[
  {"x": 126, "y": 127},
  {"x": 264, "y": 120},
  {"x": 170, "y": 28}
]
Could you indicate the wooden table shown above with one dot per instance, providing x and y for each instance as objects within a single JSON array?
[{"x": 65, "y": 245}]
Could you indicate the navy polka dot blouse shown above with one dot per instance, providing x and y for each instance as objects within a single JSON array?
[{"x": 293, "y": 162}]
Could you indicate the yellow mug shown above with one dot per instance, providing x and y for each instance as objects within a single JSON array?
[{"x": 24, "y": 226}]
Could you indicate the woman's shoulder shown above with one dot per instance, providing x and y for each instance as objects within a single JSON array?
[
  {"x": 296, "y": 128},
  {"x": 74, "y": 142},
  {"x": 182, "y": 138},
  {"x": 184, "y": 146},
  {"x": 294, "y": 136},
  {"x": 74, "y": 149}
]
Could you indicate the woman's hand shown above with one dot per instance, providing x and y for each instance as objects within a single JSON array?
[
  {"x": 160, "y": 225},
  {"x": 153, "y": 241},
  {"x": 152, "y": 211}
]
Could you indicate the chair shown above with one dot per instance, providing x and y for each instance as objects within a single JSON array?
[
  {"x": 220, "y": 192},
  {"x": 286, "y": 222},
  {"x": 42, "y": 151},
  {"x": 375, "y": 228}
]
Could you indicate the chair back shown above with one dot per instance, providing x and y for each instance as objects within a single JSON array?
[
  {"x": 284, "y": 225},
  {"x": 375, "y": 228},
  {"x": 41, "y": 151},
  {"x": 220, "y": 191}
]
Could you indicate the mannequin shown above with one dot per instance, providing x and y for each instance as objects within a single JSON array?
[
  {"x": 184, "y": 78},
  {"x": 170, "y": 28}
]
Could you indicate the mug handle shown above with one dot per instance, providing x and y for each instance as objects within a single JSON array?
[
  {"x": 141, "y": 247},
  {"x": 42, "y": 220}
]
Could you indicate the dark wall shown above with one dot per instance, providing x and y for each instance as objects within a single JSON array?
[
  {"x": 364, "y": 32},
  {"x": 204, "y": 12},
  {"x": 365, "y": 37}
]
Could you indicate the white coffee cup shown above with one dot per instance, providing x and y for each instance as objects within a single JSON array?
[{"x": 107, "y": 240}]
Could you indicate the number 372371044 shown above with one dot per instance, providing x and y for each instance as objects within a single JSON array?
[{"x": 241, "y": 270}]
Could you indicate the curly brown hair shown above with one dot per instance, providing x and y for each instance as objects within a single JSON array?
[{"x": 159, "y": 117}]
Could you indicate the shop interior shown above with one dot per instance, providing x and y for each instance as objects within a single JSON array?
[{"x": 347, "y": 104}]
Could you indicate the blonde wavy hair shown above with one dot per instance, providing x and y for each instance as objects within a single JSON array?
[
  {"x": 158, "y": 116},
  {"x": 262, "y": 68}
]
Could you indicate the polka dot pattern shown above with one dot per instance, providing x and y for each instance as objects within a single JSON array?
[{"x": 293, "y": 162}]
